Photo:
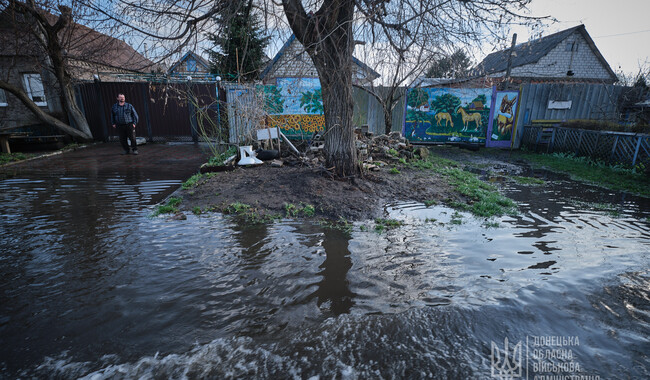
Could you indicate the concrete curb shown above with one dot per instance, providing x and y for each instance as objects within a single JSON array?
[{"x": 46, "y": 155}]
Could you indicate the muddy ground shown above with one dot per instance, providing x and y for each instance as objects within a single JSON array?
[{"x": 268, "y": 189}]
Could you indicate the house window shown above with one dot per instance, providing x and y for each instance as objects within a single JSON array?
[
  {"x": 34, "y": 87},
  {"x": 191, "y": 65},
  {"x": 3, "y": 98}
]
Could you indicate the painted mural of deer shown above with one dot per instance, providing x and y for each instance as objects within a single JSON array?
[
  {"x": 444, "y": 116},
  {"x": 505, "y": 117},
  {"x": 467, "y": 118}
]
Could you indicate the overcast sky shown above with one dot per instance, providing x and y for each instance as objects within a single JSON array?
[{"x": 620, "y": 28}]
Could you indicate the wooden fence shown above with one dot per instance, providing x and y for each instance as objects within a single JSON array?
[
  {"x": 244, "y": 110},
  {"x": 580, "y": 101},
  {"x": 168, "y": 112},
  {"x": 611, "y": 147}
]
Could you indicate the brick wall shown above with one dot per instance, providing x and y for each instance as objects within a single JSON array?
[
  {"x": 583, "y": 62},
  {"x": 15, "y": 114},
  {"x": 296, "y": 63}
]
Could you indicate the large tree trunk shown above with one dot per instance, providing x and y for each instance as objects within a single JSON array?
[
  {"x": 328, "y": 38},
  {"x": 57, "y": 60},
  {"x": 69, "y": 102},
  {"x": 340, "y": 148},
  {"x": 388, "y": 119},
  {"x": 334, "y": 64},
  {"x": 42, "y": 115},
  {"x": 49, "y": 37}
]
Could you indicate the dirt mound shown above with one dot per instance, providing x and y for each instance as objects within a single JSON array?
[{"x": 297, "y": 179}]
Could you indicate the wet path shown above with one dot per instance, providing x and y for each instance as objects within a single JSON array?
[{"x": 95, "y": 286}]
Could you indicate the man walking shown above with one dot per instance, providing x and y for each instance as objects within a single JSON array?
[{"x": 124, "y": 118}]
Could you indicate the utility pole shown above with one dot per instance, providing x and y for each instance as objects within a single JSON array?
[{"x": 512, "y": 48}]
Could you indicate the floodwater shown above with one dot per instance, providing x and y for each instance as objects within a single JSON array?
[{"x": 94, "y": 287}]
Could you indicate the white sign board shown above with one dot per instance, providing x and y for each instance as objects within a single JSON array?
[
  {"x": 268, "y": 133},
  {"x": 559, "y": 104}
]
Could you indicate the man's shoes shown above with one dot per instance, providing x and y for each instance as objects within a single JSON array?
[
  {"x": 125, "y": 152},
  {"x": 135, "y": 152}
]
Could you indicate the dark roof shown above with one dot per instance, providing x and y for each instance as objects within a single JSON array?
[
  {"x": 371, "y": 73},
  {"x": 80, "y": 43},
  {"x": 199, "y": 60},
  {"x": 532, "y": 51}
]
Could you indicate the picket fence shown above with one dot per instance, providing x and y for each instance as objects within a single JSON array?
[{"x": 612, "y": 147}]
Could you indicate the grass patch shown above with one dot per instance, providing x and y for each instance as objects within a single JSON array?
[
  {"x": 174, "y": 201},
  {"x": 341, "y": 224},
  {"x": 587, "y": 170},
  {"x": 421, "y": 164},
  {"x": 303, "y": 209},
  {"x": 193, "y": 181},
  {"x": 219, "y": 159},
  {"x": 171, "y": 207},
  {"x": 394, "y": 171},
  {"x": 386, "y": 224},
  {"x": 491, "y": 225},
  {"x": 483, "y": 199},
  {"x": 196, "y": 210},
  {"x": 430, "y": 202},
  {"x": 528, "y": 180},
  {"x": 6, "y": 158},
  {"x": 238, "y": 208},
  {"x": 393, "y": 152},
  {"x": 72, "y": 146},
  {"x": 432, "y": 162},
  {"x": 456, "y": 218},
  {"x": 402, "y": 161},
  {"x": 249, "y": 214}
]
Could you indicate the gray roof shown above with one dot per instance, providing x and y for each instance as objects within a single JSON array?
[
  {"x": 372, "y": 74},
  {"x": 532, "y": 51}
]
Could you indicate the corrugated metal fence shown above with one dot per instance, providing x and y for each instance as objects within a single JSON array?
[
  {"x": 612, "y": 147},
  {"x": 368, "y": 111},
  {"x": 243, "y": 109},
  {"x": 562, "y": 101},
  {"x": 168, "y": 112},
  {"x": 168, "y": 115}
]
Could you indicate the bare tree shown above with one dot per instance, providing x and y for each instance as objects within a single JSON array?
[
  {"x": 327, "y": 30},
  {"x": 48, "y": 36},
  {"x": 398, "y": 66}
]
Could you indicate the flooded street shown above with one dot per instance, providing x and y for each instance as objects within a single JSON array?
[{"x": 95, "y": 287}]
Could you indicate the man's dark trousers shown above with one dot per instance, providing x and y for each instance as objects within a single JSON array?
[{"x": 126, "y": 131}]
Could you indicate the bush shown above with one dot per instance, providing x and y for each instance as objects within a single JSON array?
[{"x": 219, "y": 159}]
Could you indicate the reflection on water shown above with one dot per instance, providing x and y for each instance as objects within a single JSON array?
[
  {"x": 95, "y": 286},
  {"x": 333, "y": 292}
]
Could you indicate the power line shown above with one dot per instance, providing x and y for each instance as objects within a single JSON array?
[{"x": 624, "y": 34}]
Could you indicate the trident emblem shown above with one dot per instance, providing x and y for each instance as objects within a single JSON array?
[{"x": 507, "y": 364}]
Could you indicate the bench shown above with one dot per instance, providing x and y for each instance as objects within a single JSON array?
[
  {"x": 40, "y": 139},
  {"x": 5, "y": 136},
  {"x": 27, "y": 138}
]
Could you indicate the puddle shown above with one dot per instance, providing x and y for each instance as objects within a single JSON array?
[{"x": 96, "y": 287}]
